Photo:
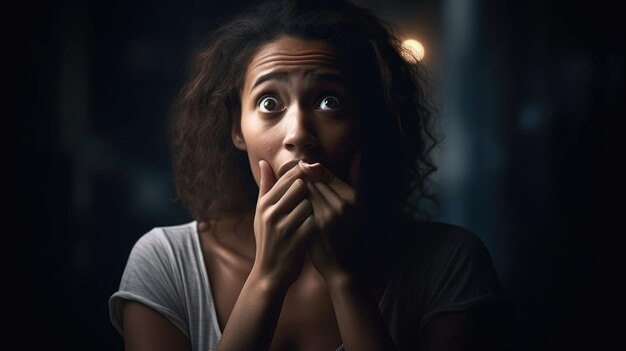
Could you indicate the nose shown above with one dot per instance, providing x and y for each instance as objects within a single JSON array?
[{"x": 300, "y": 133}]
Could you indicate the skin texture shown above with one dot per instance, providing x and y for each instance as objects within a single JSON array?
[
  {"x": 296, "y": 116},
  {"x": 288, "y": 276},
  {"x": 302, "y": 127},
  {"x": 309, "y": 119}
]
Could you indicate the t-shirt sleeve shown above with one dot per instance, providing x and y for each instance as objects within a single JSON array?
[
  {"x": 461, "y": 275},
  {"x": 150, "y": 278}
]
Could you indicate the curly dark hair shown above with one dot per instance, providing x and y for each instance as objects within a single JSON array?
[{"x": 214, "y": 179}]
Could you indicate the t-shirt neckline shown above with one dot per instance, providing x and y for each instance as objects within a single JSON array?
[{"x": 207, "y": 284}]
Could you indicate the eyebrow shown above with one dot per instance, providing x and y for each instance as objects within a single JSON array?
[
  {"x": 327, "y": 77},
  {"x": 283, "y": 76}
]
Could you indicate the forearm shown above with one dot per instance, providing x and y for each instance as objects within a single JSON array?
[
  {"x": 252, "y": 322},
  {"x": 358, "y": 317}
]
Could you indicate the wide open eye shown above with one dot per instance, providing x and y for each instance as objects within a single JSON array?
[
  {"x": 269, "y": 103},
  {"x": 329, "y": 103}
]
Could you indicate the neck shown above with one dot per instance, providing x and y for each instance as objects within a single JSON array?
[{"x": 233, "y": 225}]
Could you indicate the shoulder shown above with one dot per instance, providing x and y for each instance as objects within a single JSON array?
[
  {"x": 449, "y": 257},
  {"x": 161, "y": 250},
  {"x": 439, "y": 237},
  {"x": 165, "y": 240},
  {"x": 465, "y": 303},
  {"x": 154, "y": 275}
]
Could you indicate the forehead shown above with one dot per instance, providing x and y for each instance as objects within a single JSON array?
[{"x": 292, "y": 55}]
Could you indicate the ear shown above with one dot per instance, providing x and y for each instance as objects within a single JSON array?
[{"x": 237, "y": 136}]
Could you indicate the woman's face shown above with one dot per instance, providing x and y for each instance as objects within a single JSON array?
[{"x": 295, "y": 104}]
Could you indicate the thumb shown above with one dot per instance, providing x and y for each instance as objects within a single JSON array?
[{"x": 267, "y": 180}]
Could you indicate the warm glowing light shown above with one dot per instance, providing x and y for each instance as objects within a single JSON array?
[{"x": 412, "y": 50}]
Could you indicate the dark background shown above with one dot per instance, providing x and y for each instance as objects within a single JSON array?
[{"x": 530, "y": 93}]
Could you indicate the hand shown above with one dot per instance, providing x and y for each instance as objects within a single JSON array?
[
  {"x": 283, "y": 224},
  {"x": 338, "y": 216}
]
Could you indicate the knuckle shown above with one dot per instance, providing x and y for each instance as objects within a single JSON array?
[
  {"x": 270, "y": 216},
  {"x": 308, "y": 226},
  {"x": 329, "y": 214},
  {"x": 323, "y": 222},
  {"x": 353, "y": 196},
  {"x": 342, "y": 208},
  {"x": 298, "y": 187},
  {"x": 260, "y": 204},
  {"x": 311, "y": 219},
  {"x": 280, "y": 227},
  {"x": 296, "y": 183},
  {"x": 263, "y": 203}
]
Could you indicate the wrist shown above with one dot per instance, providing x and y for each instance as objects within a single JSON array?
[
  {"x": 340, "y": 280},
  {"x": 266, "y": 283}
]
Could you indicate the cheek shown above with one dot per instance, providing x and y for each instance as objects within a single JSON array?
[
  {"x": 342, "y": 146},
  {"x": 261, "y": 144},
  {"x": 341, "y": 140}
]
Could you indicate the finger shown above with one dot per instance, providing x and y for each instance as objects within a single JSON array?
[
  {"x": 317, "y": 199},
  {"x": 295, "y": 218},
  {"x": 281, "y": 186},
  {"x": 316, "y": 172},
  {"x": 319, "y": 173},
  {"x": 318, "y": 202},
  {"x": 293, "y": 196},
  {"x": 306, "y": 230},
  {"x": 267, "y": 178},
  {"x": 329, "y": 195}
]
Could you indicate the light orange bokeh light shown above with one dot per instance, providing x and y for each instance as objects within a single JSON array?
[{"x": 413, "y": 50}]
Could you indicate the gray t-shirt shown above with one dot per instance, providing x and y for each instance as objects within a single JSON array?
[{"x": 446, "y": 270}]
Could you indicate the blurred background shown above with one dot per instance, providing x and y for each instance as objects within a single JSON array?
[{"x": 529, "y": 92}]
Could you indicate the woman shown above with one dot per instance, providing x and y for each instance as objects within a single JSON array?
[{"x": 297, "y": 144}]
